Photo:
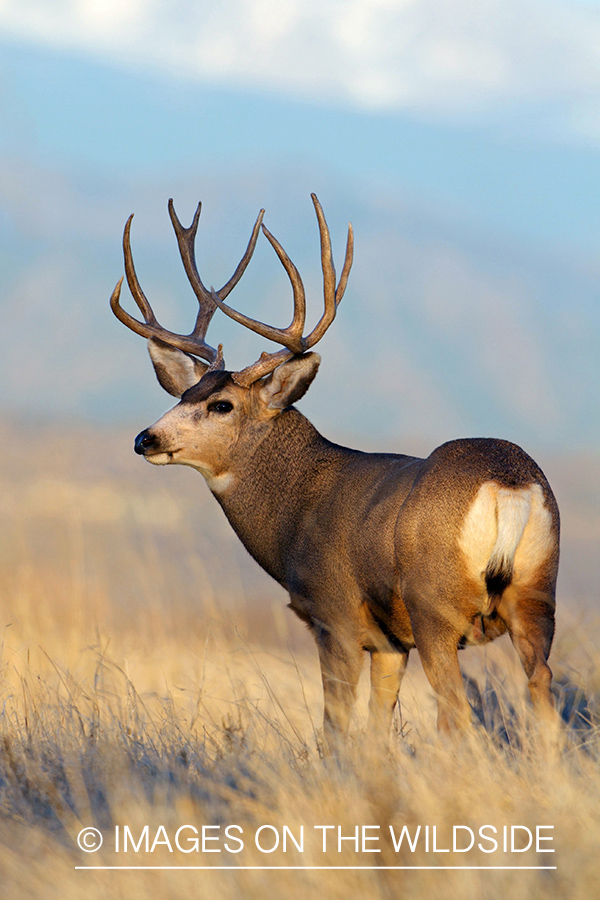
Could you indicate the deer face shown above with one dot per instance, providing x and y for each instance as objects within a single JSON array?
[
  {"x": 216, "y": 423},
  {"x": 222, "y": 415}
]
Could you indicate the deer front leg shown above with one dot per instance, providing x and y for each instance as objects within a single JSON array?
[
  {"x": 340, "y": 655},
  {"x": 387, "y": 671}
]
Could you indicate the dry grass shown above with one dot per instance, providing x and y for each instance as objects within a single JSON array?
[{"x": 150, "y": 676}]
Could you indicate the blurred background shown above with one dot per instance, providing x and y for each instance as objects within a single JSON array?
[
  {"x": 149, "y": 669},
  {"x": 461, "y": 139}
]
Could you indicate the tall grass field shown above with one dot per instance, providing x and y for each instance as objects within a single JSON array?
[{"x": 154, "y": 687}]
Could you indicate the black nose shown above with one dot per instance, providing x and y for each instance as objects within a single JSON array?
[{"x": 144, "y": 441}]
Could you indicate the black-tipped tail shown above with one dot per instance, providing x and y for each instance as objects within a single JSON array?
[{"x": 498, "y": 576}]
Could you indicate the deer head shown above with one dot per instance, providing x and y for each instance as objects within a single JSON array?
[{"x": 222, "y": 411}]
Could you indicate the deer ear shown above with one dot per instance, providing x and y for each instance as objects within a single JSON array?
[
  {"x": 290, "y": 381},
  {"x": 176, "y": 371}
]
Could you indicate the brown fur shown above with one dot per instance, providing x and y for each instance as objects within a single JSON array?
[{"x": 378, "y": 552}]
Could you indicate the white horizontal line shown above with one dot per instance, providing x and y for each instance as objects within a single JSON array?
[{"x": 312, "y": 868}]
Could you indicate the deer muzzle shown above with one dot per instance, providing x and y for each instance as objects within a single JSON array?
[{"x": 145, "y": 442}]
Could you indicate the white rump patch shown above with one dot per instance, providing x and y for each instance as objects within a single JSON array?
[
  {"x": 539, "y": 539},
  {"x": 509, "y": 528},
  {"x": 513, "y": 508}
]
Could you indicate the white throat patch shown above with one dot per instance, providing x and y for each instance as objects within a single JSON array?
[{"x": 217, "y": 483}]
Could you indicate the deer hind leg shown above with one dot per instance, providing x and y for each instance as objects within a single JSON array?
[
  {"x": 387, "y": 671},
  {"x": 437, "y": 640},
  {"x": 529, "y": 616},
  {"x": 341, "y": 658}
]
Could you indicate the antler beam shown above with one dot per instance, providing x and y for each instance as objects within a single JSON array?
[
  {"x": 194, "y": 342},
  {"x": 292, "y": 337}
]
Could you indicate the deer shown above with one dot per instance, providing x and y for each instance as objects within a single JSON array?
[{"x": 378, "y": 552}]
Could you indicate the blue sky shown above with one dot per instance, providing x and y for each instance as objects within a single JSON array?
[
  {"x": 471, "y": 132},
  {"x": 518, "y": 166}
]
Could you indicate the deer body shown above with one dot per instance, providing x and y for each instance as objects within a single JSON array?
[{"x": 378, "y": 552}]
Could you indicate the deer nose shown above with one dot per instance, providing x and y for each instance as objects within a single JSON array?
[{"x": 144, "y": 441}]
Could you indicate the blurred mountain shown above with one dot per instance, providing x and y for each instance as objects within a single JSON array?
[
  {"x": 472, "y": 307},
  {"x": 444, "y": 331}
]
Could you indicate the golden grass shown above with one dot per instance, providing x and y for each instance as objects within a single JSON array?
[{"x": 150, "y": 676}]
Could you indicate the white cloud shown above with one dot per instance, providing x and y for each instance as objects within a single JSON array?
[{"x": 466, "y": 58}]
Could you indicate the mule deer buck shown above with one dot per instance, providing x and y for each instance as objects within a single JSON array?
[{"x": 378, "y": 551}]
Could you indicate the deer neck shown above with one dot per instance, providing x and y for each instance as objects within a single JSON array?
[{"x": 272, "y": 486}]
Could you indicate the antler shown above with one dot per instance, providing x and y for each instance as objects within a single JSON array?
[
  {"x": 195, "y": 341},
  {"x": 292, "y": 337}
]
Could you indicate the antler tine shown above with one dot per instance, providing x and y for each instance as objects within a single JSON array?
[
  {"x": 348, "y": 260},
  {"x": 132, "y": 279},
  {"x": 218, "y": 363},
  {"x": 243, "y": 263},
  {"x": 332, "y": 294},
  {"x": 192, "y": 343},
  {"x": 297, "y": 324},
  {"x": 186, "y": 238},
  {"x": 290, "y": 337},
  {"x": 264, "y": 365},
  {"x": 208, "y": 300}
]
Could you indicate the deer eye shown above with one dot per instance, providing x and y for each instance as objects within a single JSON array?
[{"x": 220, "y": 406}]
